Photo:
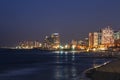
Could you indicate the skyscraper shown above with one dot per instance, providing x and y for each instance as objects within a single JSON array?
[
  {"x": 52, "y": 42},
  {"x": 116, "y": 35},
  {"x": 107, "y": 37},
  {"x": 90, "y": 40},
  {"x": 93, "y": 39},
  {"x": 56, "y": 40},
  {"x": 95, "y": 35}
]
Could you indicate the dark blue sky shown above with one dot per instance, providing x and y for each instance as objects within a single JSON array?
[{"x": 73, "y": 19}]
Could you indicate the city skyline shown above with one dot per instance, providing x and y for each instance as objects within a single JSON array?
[
  {"x": 34, "y": 19},
  {"x": 63, "y": 42}
]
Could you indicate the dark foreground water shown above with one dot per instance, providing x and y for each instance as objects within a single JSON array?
[{"x": 42, "y": 65}]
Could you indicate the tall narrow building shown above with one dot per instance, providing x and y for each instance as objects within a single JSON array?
[
  {"x": 56, "y": 40},
  {"x": 93, "y": 40},
  {"x": 107, "y": 37}
]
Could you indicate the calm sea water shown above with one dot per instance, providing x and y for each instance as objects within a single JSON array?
[{"x": 42, "y": 65}]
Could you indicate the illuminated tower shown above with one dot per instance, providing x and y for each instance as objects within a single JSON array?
[
  {"x": 116, "y": 38},
  {"x": 95, "y": 34},
  {"x": 116, "y": 35},
  {"x": 107, "y": 37},
  {"x": 52, "y": 42},
  {"x": 93, "y": 39},
  {"x": 90, "y": 40},
  {"x": 56, "y": 40}
]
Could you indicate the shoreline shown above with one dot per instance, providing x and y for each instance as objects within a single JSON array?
[
  {"x": 84, "y": 73},
  {"x": 107, "y": 71}
]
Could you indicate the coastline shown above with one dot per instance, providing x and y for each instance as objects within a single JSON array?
[{"x": 108, "y": 71}]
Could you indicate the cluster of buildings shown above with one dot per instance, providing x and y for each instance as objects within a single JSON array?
[
  {"x": 29, "y": 45},
  {"x": 52, "y": 42},
  {"x": 104, "y": 39}
]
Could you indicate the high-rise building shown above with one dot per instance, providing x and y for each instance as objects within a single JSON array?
[
  {"x": 56, "y": 40},
  {"x": 107, "y": 37},
  {"x": 93, "y": 39},
  {"x": 52, "y": 42},
  {"x": 90, "y": 40},
  {"x": 95, "y": 35},
  {"x": 117, "y": 38},
  {"x": 116, "y": 35}
]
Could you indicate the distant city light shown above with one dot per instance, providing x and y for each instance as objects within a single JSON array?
[
  {"x": 96, "y": 41},
  {"x": 73, "y": 47},
  {"x": 61, "y": 47}
]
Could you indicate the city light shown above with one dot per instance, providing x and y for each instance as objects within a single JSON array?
[
  {"x": 96, "y": 41},
  {"x": 66, "y": 46},
  {"x": 61, "y": 47},
  {"x": 73, "y": 47}
]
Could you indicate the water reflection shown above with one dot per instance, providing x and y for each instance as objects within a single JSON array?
[
  {"x": 73, "y": 57},
  {"x": 65, "y": 70},
  {"x": 50, "y": 66},
  {"x": 65, "y": 73},
  {"x": 66, "y": 52}
]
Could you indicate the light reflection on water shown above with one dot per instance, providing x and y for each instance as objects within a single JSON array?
[
  {"x": 66, "y": 73},
  {"x": 51, "y": 66},
  {"x": 73, "y": 56}
]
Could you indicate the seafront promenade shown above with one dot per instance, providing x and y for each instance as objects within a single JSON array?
[{"x": 109, "y": 71}]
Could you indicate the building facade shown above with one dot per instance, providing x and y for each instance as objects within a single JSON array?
[
  {"x": 52, "y": 42},
  {"x": 117, "y": 38},
  {"x": 107, "y": 37},
  {"x": 93, "y": 40}
]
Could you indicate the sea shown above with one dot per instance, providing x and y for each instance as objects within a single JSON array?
[{"x": 46, "y": 65}]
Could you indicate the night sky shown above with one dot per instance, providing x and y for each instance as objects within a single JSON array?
[{"x": 34, "y": 19}]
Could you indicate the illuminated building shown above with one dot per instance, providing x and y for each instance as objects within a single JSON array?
[
  {"x": 90, "y": 40},
  {"x": 47, "y": 43},
  {"x": 107, "y": 37},
  {"x": 117, "y": 38},
  {"x": 73, "y": 44},
  {"x": 80, "y": 42},
  {"x": 93, "y": 39},
  {"x": 37, "y": 44},
  {"x": 67, "y": 46},
  {"x": 95, "y": 43},
  {"x": 56, "y": 40},
  {"x": 52, "y": 42},
  {"x": 116, "y": 35},
  {"x": 86, "y": 42},
  {"x": 29, "y": 45},
  {"x": 103, "y": 39}
]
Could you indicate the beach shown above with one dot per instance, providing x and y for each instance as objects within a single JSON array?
[{"x": 109, "y": 71}]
